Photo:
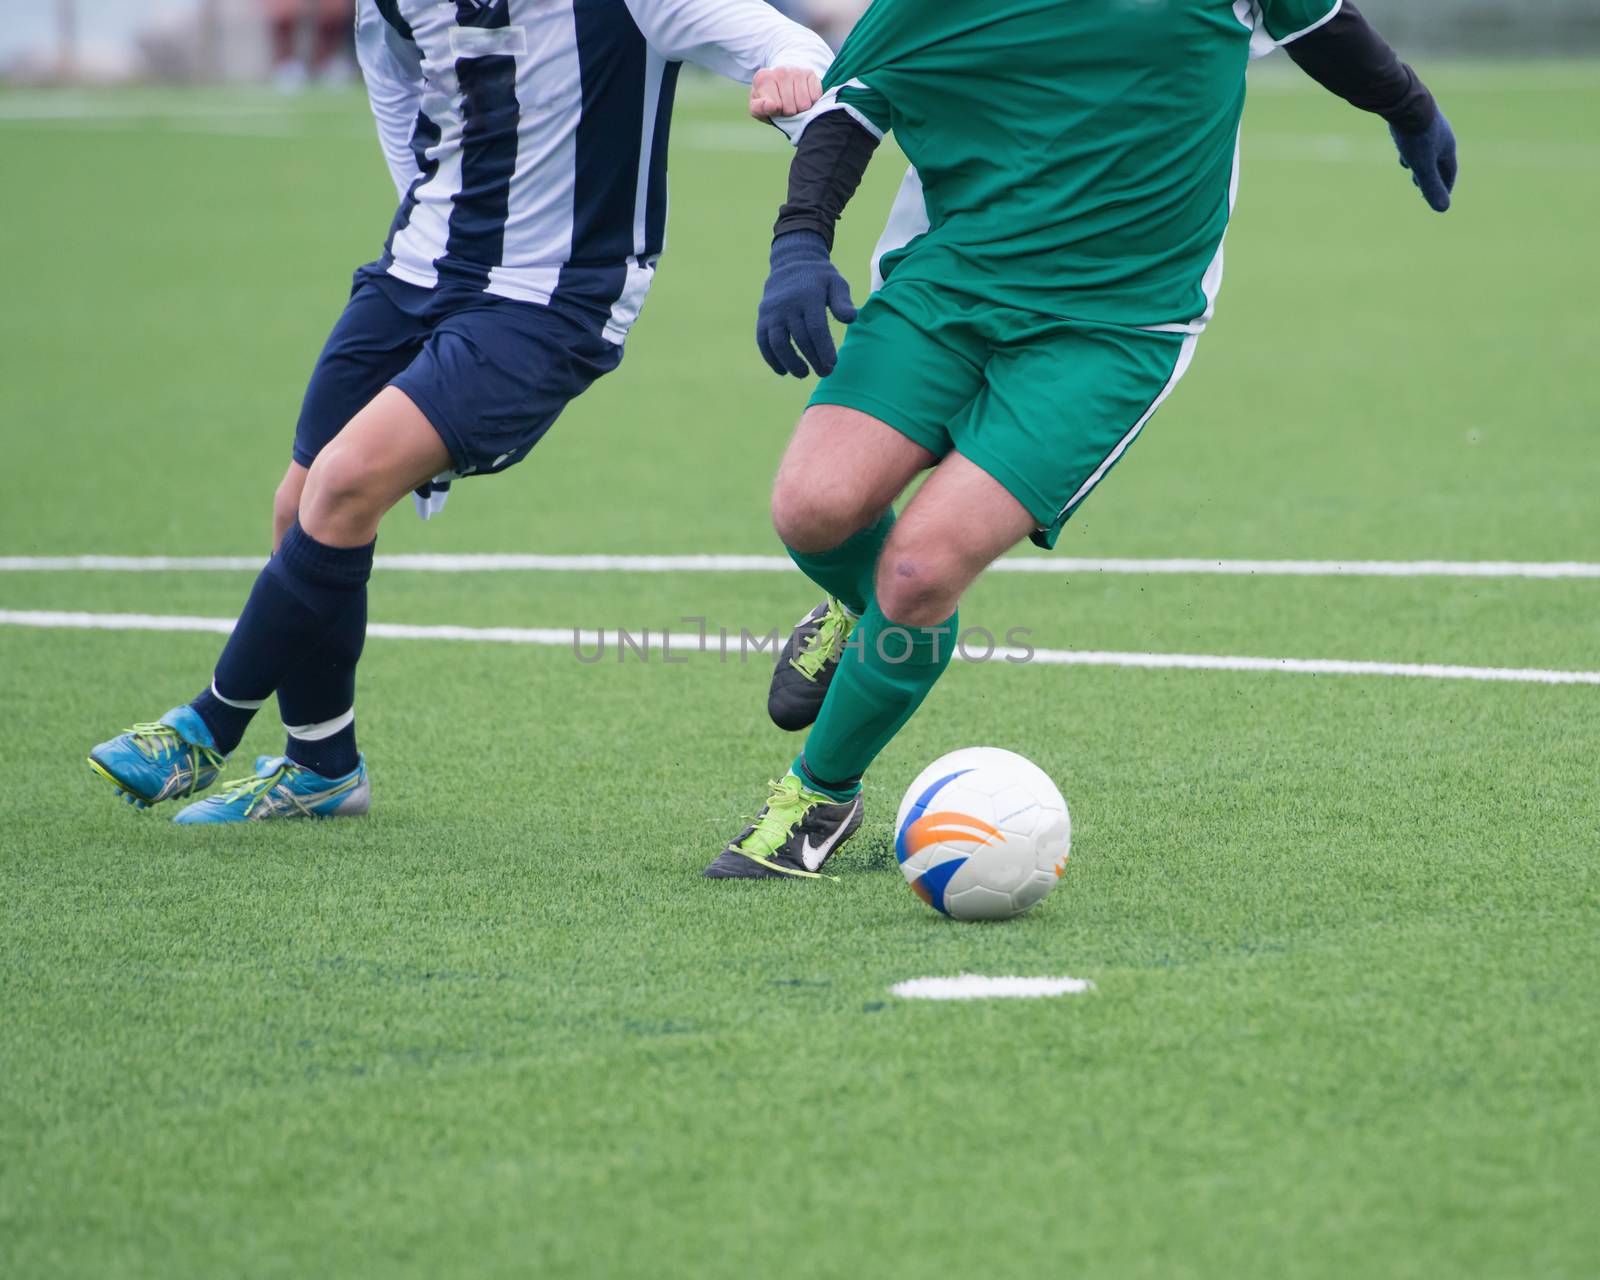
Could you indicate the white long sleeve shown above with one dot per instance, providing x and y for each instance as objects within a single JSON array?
[
  {"x": 394, "y": 94},
  {"x": 735, "y": 38}
]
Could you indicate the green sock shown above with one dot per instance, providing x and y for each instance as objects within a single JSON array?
[
  {"x": 840, "y": 793},
  {"x": 886, "y": 672},
  {"x": 846, "y": 571}
]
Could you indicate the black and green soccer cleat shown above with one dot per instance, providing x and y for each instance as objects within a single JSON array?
[
  {"x": 796, "y": 832},
  {"x": 806, "y": 665}
]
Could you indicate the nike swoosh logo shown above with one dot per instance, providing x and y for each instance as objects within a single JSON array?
[{"x": 813, "y": 856}]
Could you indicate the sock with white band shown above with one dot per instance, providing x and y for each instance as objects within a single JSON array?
[
  {"x": 317, "y": 698},
  {"x": 227, "y": 718},
  {"x": 328, "y": 748},
  {"x": 296, "y": 605}
]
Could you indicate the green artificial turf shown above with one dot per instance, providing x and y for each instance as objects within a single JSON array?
[{"x": 1345, "y": 931}]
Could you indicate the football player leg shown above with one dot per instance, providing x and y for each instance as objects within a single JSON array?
[
  {"x": 909, "y": 365},
  {"x": 318, "y": 573},
  {"x": 1053, "y": 417},
  {"x": 831, "y": 507},
  {"x": 488, "y": 383},
  {"x": 960, "y": 520},
  {"x": 373, "y": 341},
  {"x": 313, "y": 581},
  {"x": 304, "y": 603},
  {"x": 316, "y": 699},
  {"x": 382, "y": 331}
]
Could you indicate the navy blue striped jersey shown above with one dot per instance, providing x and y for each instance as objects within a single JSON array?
[{"x": 528, "y": 138}]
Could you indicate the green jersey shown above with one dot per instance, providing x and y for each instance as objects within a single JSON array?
[{"x": 1072, "y": 158}]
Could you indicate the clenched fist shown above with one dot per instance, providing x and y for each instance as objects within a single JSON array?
[{"x": 783, "y": 91}]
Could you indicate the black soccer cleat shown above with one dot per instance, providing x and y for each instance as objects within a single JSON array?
[
  {"x": 796, "y": 832},
  {"x": 806, "y": 666}
]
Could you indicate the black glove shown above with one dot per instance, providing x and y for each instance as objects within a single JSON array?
[
  {"x": 801, "y": 289},
  {"x": 1431, "y": 157}
]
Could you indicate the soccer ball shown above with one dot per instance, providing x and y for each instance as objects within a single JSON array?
[{"x": 983, "y": 834}]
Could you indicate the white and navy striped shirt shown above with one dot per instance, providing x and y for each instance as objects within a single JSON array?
[{"x": 528, "y": 138}]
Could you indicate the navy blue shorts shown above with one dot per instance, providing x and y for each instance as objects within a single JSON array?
[{"x": 491, "y": 374}]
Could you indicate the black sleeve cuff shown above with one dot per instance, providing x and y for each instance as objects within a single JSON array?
[
  {"x": 828, "y": 164},
  {"x": 1346, "y": 56}
]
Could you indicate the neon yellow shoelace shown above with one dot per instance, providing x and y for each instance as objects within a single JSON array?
[
  {"x": 151, "y": 740},
  {"x": 828, "y": 642},
  {"x": 257, "y": 788},
  {"x": 787, "y": 802}
]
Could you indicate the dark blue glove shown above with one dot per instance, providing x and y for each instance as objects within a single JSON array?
[
  {"x": 801, "y": 289},
  {"x": 1431, "y": 157}
]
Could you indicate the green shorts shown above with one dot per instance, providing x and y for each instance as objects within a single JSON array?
[{"x": 1045, "y": 406}]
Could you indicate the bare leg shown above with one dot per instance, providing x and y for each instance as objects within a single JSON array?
[
  {"x": 385, "y": 452},
  {"x": 958, "y": 522},
  {"x": 837, "y": 473},
  {"x": 840, "y": 472},
  {"x": 955, "y": 527},
  {"x": 831, "y": 507}
]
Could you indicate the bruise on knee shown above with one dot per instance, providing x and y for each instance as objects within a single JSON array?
[{"x": 917, "y": 590}]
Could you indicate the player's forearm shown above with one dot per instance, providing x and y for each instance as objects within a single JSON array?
[
  {"x": 735, "y": 38},
  {"x": 829, "y": 161},
  {"x": 1346, "y": 56}
]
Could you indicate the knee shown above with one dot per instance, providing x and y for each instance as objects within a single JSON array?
[
  {"x": 340, "y": 487},
  {"x": 917, "y": 586},
  {"x": 812, "y": 518}
]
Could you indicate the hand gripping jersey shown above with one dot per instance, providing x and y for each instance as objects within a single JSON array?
[{"x": 1073, "y": 159}]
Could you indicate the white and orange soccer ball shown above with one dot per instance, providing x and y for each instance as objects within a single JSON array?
[{"x": 983, "y": 834}]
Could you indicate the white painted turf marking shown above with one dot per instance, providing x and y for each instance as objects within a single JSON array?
[
  {"x": 683, "y": 643},
  {"x": 275, "y": 120},
  {"x": 520, "y": 563},
  {"x": 973, "y": 986}
]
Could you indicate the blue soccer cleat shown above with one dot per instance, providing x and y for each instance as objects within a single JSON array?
[
  {"x": 283, "y": 789},
  {"x": 175, "y": 756}
]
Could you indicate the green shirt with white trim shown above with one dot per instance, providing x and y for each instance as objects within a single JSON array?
[{"x": 1073, "y": 158}]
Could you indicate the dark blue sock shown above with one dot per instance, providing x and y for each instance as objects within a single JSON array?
[
  {"x": 318, "y": 696},
  {"x": 332, "y": 756},
  {"x": 226, "y": 720},
  {"x": 297, "y": 600}
]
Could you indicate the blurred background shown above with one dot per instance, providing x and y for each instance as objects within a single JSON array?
[{"x": 297, "y": 42}]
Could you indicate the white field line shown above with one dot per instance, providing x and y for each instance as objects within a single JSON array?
[
  {"x": 1322, "y": 148},
  {"x": 594, "y": 646},
  {"x": 49, "y": 106},
  {"x": 973, "y": 986},
  {"x": 274, "y": 119},
  {"x": 518, "y": 563},
  {"x": 1339, "y": 148},
  {"x": 1278, "y": 75},
  {"x": 1274, "y": 76},
  {"x": 1319, "y": 148},
  {"x": 732, "y": 136}
]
